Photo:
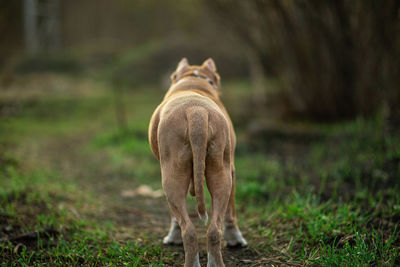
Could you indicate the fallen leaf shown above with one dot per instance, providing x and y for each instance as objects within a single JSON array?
[{"x": 143, "y": 190}]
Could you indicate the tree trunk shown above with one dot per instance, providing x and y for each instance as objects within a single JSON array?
[{"x": 30, "y": 26}]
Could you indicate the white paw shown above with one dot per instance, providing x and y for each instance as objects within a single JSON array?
[
  {"x": 196, "y": 261},
  {"x": 174, "y": 236},
  {"x": 234, "y": 237},
  {"x": 170, "y": 240},
  {"x": 211, "y": 261}
]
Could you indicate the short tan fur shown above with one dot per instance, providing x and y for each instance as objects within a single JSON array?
[{"x": 192, "y": 136}]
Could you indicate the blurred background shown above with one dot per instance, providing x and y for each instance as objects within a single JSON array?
[
  {"x": 317, "y": 60},
  {"x": 312, "y": 87}
]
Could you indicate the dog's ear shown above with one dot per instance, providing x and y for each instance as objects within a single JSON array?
[
  {"x": 183, "y": 63},
  {"x": 210, "y": 64}
]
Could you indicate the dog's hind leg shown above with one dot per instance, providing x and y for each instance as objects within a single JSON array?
[
  {"x": 176, "y": 185},
  {"x": 219, "y": 184},
  {"x": 174, "y": 236},
  {"x": 232, "y": 234}
]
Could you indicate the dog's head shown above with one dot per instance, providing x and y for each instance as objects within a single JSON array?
[{"x": 207, "y": 71}]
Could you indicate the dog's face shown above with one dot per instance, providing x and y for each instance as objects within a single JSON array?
[{"x": 207, "y": 71}]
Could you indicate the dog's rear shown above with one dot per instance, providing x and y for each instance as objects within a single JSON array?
[
  {"x": 192, "y": 118},
  {"x": 191, "y": 147}
]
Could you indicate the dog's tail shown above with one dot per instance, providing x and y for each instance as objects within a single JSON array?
[{"x": 198, "y": 136}]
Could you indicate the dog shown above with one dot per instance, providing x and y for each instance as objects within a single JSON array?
[{"x": 192, "y": 136}]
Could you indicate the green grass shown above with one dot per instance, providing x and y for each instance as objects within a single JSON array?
[
  {"x": 367, "y": 249},
  {"x": 84, "y": 248},
  {"x": 325, "y": 196},
  {"x": 35, "y": 199},
  {"x": 38, "y": 201}
]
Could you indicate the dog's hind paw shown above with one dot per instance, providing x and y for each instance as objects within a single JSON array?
[
  {"x": 237, "y": 244},
  {"x": 174, "y": 236},
  {"x": 197, "y": 261},
  {"x": 234, "y": 237},
  {"x": 169, "y": 240}
]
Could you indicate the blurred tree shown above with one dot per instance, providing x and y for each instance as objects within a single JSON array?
[
  {"x": 10, "y": 29},
  {"x": 334, "y": 59},
  {"x": 41, "y": 25}
]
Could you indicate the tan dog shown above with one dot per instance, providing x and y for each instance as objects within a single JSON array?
[{"x": 192, "y": 136}]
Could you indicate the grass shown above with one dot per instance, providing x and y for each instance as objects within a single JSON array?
[
  {"x": 336, "y": 204},
  {"x": 327, "y": 195},
  {"x": 42, "y": 204}
]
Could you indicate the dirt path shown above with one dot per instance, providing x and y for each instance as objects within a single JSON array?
[{"x": 144, "y": 219}]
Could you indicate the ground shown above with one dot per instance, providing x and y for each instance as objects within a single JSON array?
[{"x": 307, "y": 194}]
